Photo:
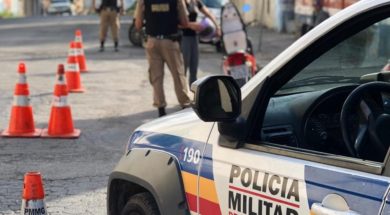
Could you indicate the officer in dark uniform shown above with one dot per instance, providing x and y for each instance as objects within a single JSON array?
[
  {"x": 109, "y": 11},
  {"x": 162, "y": 18}
]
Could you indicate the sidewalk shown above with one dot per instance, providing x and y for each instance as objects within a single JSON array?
[{"x": 267, "y": 43}]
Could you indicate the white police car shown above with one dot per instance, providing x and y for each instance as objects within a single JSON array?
[
  {"x": 309, "y": 134},
  {"x": 61, "y": 7}
]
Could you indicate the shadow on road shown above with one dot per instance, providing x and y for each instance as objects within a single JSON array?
[{"x": 82, "y": 167}]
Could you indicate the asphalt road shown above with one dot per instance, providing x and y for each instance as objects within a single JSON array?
[{"x": 118, "y": 98}]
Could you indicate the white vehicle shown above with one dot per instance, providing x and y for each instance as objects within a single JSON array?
[
  {"x": 308, "y": 134},
  {"x": 61, "y": 7}
]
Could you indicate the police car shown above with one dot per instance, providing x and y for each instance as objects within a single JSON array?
[
  {"x": 309, "y": 134},
  {"x": 61, "y": 7}
]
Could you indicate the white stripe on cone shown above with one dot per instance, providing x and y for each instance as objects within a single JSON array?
[
  {"x": 72, "y": 67},
  {"x": 61, "y": 82},
  {"x": 79, "y": 52},
  {"x": 60, "y": 101},
  {"x": 72, "y": 52},
  {"x": 22, "y": 79},
  {"x": 78, "y": 39},
  {"x": 21, "y": 101},
  {"x": 36, "y": 207}
]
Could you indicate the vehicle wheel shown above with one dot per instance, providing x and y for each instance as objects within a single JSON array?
[
  {"x": 135, "y": 37},
  {"x": 141, "y": 204}
]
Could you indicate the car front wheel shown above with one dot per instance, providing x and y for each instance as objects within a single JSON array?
[{"x": 141, "y": 204}]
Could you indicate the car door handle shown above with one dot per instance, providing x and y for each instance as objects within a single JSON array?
[
  {"x": 332, "y": 204},
  {"x": 319, "y": 209}
]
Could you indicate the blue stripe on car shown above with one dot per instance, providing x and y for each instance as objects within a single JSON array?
[
  {"x": 363, "y": 195},
  {"x": 174, "y": 145}
]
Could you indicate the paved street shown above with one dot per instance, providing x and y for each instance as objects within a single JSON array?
[{"x": 118, "y": 99}]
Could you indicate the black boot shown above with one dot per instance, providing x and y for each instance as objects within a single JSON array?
[
  {"x": 161, "y": 112},
  {"x": 101, "y": 46},
  {"x": 116, "y": 46}
]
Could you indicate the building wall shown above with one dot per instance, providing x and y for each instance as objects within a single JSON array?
[
  {"x": 305, "y": 7},
  {"x": 258, "y": 11},
  {"x": 79, "y": 7},
  {"x": 5, "y": 5},
  {"x": 32, "y": 7},
  {"x": 283, "y": 15},
  {"x": 11, "y": 6}
]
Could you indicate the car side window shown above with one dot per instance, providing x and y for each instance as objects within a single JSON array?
[{"x": 305, "y": 112}]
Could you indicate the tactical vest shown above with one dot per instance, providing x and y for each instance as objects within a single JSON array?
[{"x": 161, "y": 17}]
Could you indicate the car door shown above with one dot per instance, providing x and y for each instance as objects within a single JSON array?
[
  {"x": 386, "y": 209},
  {"x": 254, "y": 175},
  {"x": 256, "y": 180}
]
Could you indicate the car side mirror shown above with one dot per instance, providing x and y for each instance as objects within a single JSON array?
[{"x": 217, "y": 98}]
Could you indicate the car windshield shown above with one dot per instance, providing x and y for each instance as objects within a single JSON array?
[
  {"x": 214, "y": 3},
  {"x": 366, "y": 52}
]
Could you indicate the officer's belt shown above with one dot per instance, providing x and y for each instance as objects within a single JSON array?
[
  {"x": 110, "y": 8},
  {"x": 173, "y": 37}
]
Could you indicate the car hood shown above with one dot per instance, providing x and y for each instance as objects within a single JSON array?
[{"x": 185, "y": 124}]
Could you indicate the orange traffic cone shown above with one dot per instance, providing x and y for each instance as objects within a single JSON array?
[
  {"x": 72, "y": 72},
  {"x": 386, "y": 68},
  {"x": 33, "y": 194},
  {"x": 80, "y": 51},
  {"x": 21, "y": 121},
  {"x": 60, "y": 123}
]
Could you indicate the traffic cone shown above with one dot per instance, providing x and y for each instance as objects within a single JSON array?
[
  {"x": 21, "y": 121},
  {"x": 33, "y": 195},
  {"x": 72, "y": 72},
  {"x": 80, "y": 51},
  {"x": 60, "y": 122},
  {"x": 386, "y": 68}
]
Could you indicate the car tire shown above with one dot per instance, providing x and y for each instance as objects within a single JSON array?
[{"x": 141, "y": 204}]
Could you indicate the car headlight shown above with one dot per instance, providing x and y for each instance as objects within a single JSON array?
[{"x": 133, "y": 138}]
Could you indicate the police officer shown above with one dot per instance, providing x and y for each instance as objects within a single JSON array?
[
  {"x": 162, "y": 18},
  {"x": 109, "y": 11}
]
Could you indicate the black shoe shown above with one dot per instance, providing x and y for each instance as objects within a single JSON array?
[
  {"x": 116, "y": 46},
  {"x": 185, "y": 106},
  {"x": 101, "y": 46},
  {"x": 161, "y": 112}
]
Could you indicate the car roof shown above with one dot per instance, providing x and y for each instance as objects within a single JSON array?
[{"x": 307, "y": 39}]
